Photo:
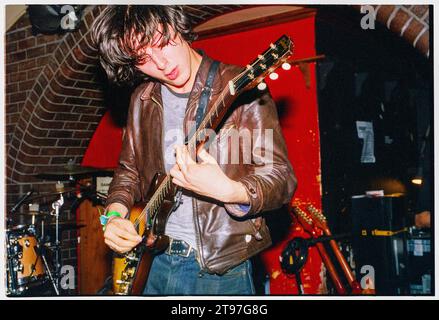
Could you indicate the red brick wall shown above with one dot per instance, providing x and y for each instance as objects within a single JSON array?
[
  {"x": 53, "y": 102},
  {"x": 408, "y": 21},
  {"x": 53, "y": 105}
]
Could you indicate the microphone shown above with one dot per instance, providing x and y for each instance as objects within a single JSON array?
[{"x": 21, "y": 201}]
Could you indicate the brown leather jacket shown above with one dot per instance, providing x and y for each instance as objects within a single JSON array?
[{"x": 225, "y": 238}]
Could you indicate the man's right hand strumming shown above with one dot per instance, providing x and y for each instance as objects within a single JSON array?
[{"x": 120, "y": 234}]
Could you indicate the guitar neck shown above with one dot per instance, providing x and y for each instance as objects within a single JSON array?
[{"x": 213, "y": 117}]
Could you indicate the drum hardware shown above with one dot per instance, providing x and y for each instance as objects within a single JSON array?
[
  {"x": 53, "y": 194},
  {"x": 27, "y": 263},
  {"x": 49, "y": 273},
  {"x": 66, "y": 225},
  {"x": 21, "y": 201},
  {"x": 34, "y": 246},
  {"x": 25, "y": 267},
  {"x": 56, "y": 206},
  {"x": 39, "y": 214},
  {"x": 17, "y": 227}
]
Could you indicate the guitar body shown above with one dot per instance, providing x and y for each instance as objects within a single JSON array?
[
  {"x": 131, "y": 270},
  {"x": 128, "y": 273}
]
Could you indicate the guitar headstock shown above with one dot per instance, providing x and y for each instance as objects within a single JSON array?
[
  {"x": 266, "y": 63},
  {"x": 304, "y": 219},
  {"x": 317, "y": 216}
]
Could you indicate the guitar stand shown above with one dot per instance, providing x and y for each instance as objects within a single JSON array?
[
  {"x": 327, "y": 238},
  {"x": 295, "y": 255},
  {"x": 293, "y": 259}
]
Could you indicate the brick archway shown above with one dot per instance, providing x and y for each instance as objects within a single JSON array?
[
  {"x": 61, "y": 110},
  {"x": 408, "y": 21}
]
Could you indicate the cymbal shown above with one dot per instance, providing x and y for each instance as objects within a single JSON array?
[
  {"x": 18, "y": 227},
  {"x": 71, "y": 172},
  {"x": 53, "y": 194},
  {"x": 33, "y": 213}
]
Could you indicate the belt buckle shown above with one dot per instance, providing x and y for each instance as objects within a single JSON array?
[
  {"x": 186, "y": 246},
  {"x": 180, "y": 253},
  {"x": 188, "y": 251},
  {"x": 168, "y": 250}
]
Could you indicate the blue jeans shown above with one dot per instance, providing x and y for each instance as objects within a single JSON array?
[{"x": 177, "y": 275}]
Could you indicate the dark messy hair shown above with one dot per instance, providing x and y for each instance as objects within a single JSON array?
[{"x": 120, "y": 31}]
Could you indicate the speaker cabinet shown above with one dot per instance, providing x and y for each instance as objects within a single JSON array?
[{"x": 379, "y": 242}]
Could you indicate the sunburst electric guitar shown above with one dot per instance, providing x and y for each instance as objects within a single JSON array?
[{"x": 130, "y": 270}]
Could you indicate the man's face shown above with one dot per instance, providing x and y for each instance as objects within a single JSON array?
[{"x": 172, "y": 64}]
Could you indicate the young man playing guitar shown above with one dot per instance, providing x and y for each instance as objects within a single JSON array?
[{"x": 218, "y": 225}]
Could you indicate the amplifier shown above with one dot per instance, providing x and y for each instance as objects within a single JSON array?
[{"x": 379, "y": 235}]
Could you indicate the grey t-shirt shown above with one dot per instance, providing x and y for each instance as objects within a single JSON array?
[{"x": 180, "y": 224}]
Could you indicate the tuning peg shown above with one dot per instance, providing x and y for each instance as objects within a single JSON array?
[
  {"x": 316, "y": 213},
  {"x": 286, "y": 66},
  {"x": 262, "y": 86},
  {"x": 303, "y": 215},
  {"x": 274, "y": 76}
]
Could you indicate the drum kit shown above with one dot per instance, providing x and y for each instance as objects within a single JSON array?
[{"x": 33, "y": 236}]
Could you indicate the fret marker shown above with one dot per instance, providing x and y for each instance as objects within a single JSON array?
[
  {"x": 272, "y": 46},
  {"x": 231, "y": 88}
]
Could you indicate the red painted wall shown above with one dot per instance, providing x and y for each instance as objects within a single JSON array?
[
  {"x": 299, "y": 123},
  {"x": 105, "y": 145}
]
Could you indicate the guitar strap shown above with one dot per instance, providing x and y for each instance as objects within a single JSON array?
[
  {"x": 204, "y": 99},
  {"x": 201, "y": 112},
  {"x": 206, "y": 92}
]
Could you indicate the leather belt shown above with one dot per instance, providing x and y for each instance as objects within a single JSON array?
[{"x": 179, "y": 247}]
